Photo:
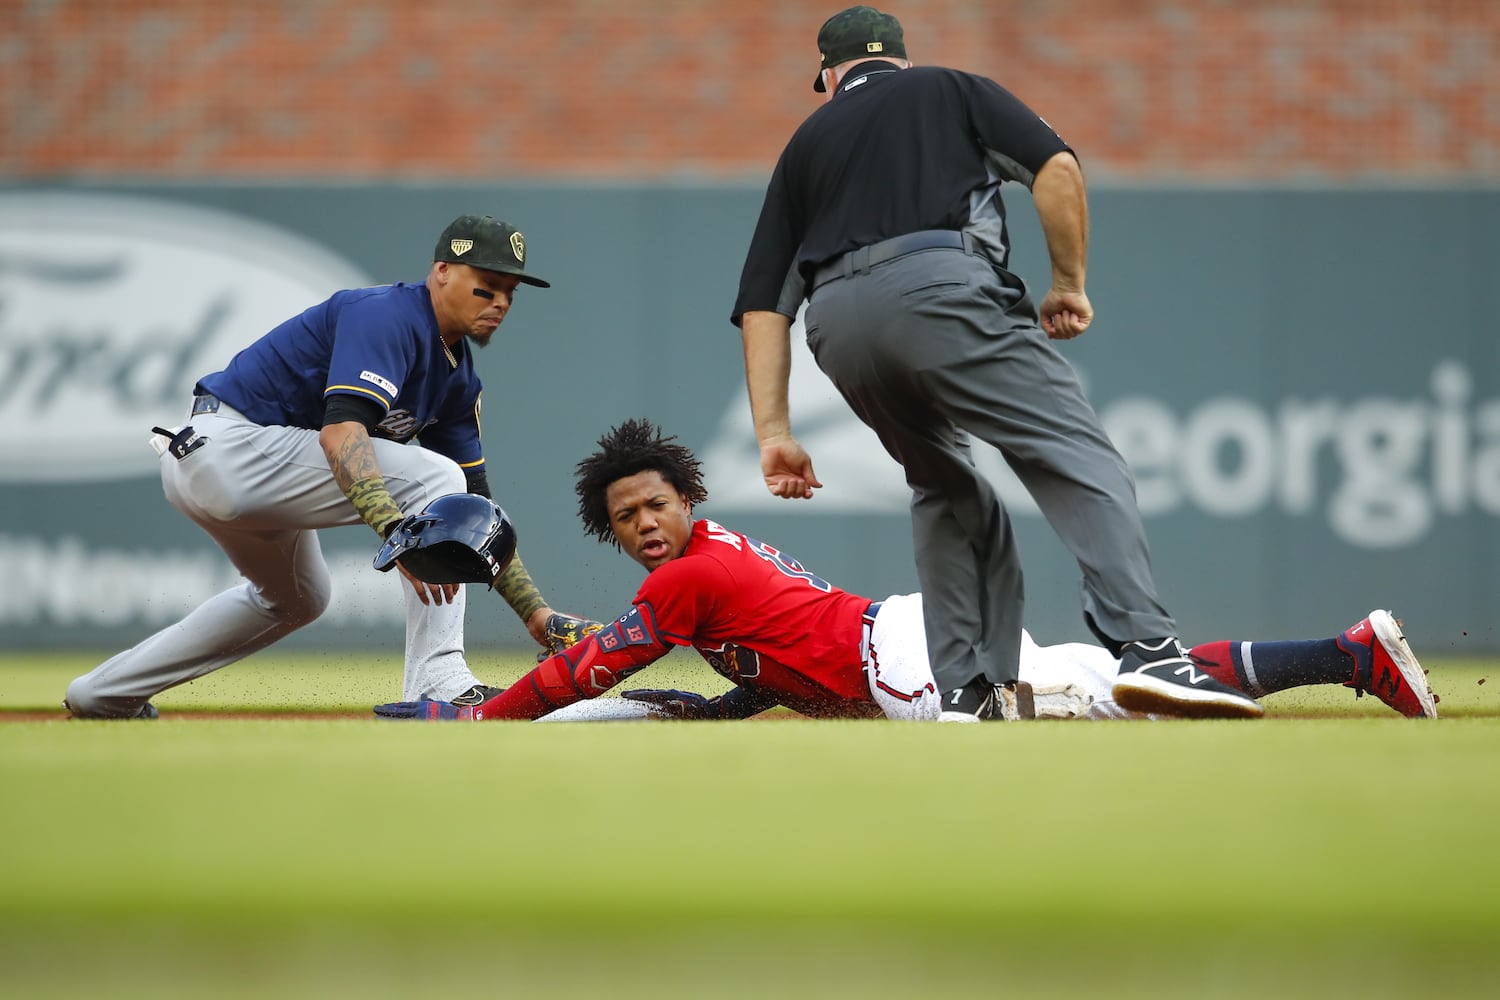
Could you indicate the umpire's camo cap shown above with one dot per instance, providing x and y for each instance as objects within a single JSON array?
[
  {"x": 486, "y": 242},
  {"x": 855, "y": 33}
]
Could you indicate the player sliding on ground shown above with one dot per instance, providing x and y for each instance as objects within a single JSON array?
[{"x": 783, "y": 636}]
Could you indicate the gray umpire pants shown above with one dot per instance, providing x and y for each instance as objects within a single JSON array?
[
  {"x": 939, "y": 344},
  {"x": 261, "y": 492}
]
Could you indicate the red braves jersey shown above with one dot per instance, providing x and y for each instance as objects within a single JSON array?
[
  {"x": 731, "y": 597},
  {"x": 729, "y": 590}
]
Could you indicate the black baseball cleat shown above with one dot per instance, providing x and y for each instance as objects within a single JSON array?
[
  {"x": 477, "y": 695},
  {"x": 1157, "y": 677},
  {"x": 981, "y": 701}
]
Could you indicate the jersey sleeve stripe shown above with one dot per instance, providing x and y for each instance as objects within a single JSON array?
[
  {"x": 471, "y": 465},
  {"x": 649, "y": 613},
  {"x": 355, "y": 388}
]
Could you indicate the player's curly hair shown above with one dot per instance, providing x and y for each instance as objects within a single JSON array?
[{"x": 632, "y": 447}]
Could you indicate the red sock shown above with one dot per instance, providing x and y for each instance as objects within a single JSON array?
[
  {"x": 1262, "y": 668},
  {"x": 1217, "y": 660}
]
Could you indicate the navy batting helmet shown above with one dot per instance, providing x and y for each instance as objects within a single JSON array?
[{"x": 457, "y": 538}]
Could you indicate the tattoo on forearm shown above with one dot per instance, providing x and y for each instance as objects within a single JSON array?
[
  {"x": 519, "y": 592},
  {"x": 358, "y": 475},
  {"x": 354, "y": 460}
]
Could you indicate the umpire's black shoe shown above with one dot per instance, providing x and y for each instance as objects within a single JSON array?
[
  {"x": 477, "y": 695},
  {"x": 1157, "y": 677},
  {"x": 981, "y": 701},
  {"x": 974, "y": 702}
]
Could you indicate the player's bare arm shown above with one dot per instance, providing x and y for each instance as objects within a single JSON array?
[
  {"x": 787, "y": 468},
  {"x": 351, "y": 458},
  {"x": 1062, "y": 207}
]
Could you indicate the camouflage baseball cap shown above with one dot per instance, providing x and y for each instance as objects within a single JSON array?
[
  {"x": 858, "y": 31},
  {"x": 482, "y": 241}
]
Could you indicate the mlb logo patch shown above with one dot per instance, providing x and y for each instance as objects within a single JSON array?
[{"x": 384, "y": 383}]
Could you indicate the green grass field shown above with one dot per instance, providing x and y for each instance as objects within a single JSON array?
[{"x": 1331, "y": 849}]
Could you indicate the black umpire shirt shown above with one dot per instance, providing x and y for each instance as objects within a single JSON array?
[{"x": 894, "y": 152}]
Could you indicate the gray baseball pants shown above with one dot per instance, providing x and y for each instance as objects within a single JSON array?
[
  {"x": 940, "y": 344},
  {"x": 261, "y": 492}
]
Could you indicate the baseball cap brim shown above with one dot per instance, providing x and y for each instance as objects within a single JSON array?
[{"x": 498, "y": 268}]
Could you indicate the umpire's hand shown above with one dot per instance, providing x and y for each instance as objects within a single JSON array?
[
  {"x": 1065, "y": 314},
  {"x": 787, "y": 468}
]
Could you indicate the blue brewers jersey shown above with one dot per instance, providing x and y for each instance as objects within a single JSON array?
[{"x": 380, "y": 344}]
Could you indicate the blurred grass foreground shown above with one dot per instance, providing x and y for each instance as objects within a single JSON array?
[{"x": 1339, "y": 852}]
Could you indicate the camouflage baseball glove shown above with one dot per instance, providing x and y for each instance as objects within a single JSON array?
[{"x": 564, "y": 631}]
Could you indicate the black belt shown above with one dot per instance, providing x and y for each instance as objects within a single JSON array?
[
  {"x": 204, "y": 403},
  {"x": 864, "y": 258},
  {"x": 873, "y": 610}
]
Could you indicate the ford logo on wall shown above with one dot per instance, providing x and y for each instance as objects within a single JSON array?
[{"x": 112, "y": 306}]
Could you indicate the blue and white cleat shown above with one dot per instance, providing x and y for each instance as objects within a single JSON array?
[{"x": 426, "y": 710}]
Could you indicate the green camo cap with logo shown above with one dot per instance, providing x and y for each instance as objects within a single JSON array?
[
  {"x": 856, "y": 33},
  {"x": 486, "y": 242}
]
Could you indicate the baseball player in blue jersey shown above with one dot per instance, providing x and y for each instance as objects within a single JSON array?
[{"x": 311, "y": 427}]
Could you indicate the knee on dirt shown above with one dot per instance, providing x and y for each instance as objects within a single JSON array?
[{"x": 85, "y": 700}]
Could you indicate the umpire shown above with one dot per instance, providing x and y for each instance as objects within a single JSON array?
[{"x": 884, "y": 211}]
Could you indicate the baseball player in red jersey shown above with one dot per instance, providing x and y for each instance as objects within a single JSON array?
[
  {"x": 785, "y": 636},
  {"x": 781, "y": 634}
]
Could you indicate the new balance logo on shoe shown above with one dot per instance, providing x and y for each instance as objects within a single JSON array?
[
  {"x": 1193, "y": 677},
  {"x": 1387, "y": 686}
]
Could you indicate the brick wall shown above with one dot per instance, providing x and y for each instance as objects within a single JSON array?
[{"x": 1215, "y": 90}]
